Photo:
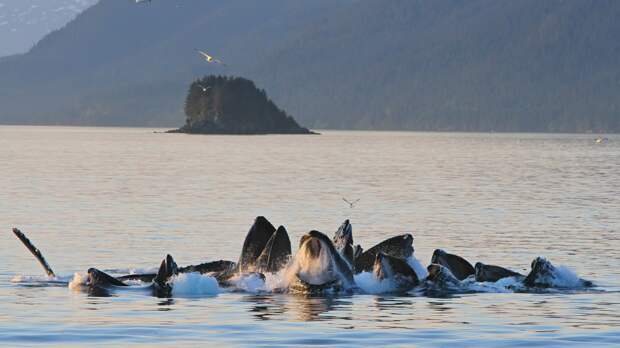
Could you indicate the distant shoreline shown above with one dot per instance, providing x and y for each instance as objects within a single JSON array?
[{"x": 159, "y": 130}]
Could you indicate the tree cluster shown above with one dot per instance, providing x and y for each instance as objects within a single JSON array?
[{"x": 234, "y": 105}]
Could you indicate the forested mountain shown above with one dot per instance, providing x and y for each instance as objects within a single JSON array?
[
  {"x": 23, "y": 22},
  {"x": 476, "y": 65}
]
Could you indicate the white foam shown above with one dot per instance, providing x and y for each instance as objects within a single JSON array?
[
  {"x": 276, "y": 281},
  {"x": 29, "y": 279},
  {"x": 248, "y": 282},
  {"x": 419, "y": 270},
  {"x": 503, "y": 285},
  {"x": 39, "y": 279},
  {"x": 194, "y": 285},
  {"x": 145, "y": 270},
  {"x": 564, "y": 277},
  {"x": 369, "y": 284},
  {"x": 78, "y": 281},
  {"x": 510, "y": 282}
]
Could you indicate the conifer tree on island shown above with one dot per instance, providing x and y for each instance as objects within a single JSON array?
[{"x": 234, "y": 105}]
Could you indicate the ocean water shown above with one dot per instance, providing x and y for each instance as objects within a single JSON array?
[{"x": 121, "y": 199}]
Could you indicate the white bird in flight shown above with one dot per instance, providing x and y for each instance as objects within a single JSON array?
[
  {"x": 351, "y": 204},
  {"x": 209, "y": 58},
  {"x": 204, "y": 89}
]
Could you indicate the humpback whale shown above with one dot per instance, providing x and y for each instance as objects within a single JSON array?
[
  {"x": 441, "y": 278},
  {"x": 37, "y": 254},
  {"x": 218, "y": 269},
  {"x": 400, "y": 246},
  {"x": 343, "y": 242},
  {"x": 457, "y": 265},
  {"x": 318, "y": 267},
  {"x": 322, "y": 265},
  {"x": 492, "y": 273},
  {"x": 396, "y": 270},
  {"x": 254, "y": 243},
  {"x": 276, "y": 254},
  {"x": 265, "y": 249},
  {"x": 100, "y": 282},
  {"x": 545, "y": 275}
]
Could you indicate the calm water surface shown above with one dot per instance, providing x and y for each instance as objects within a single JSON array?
[{"x": 122, "y": 198}]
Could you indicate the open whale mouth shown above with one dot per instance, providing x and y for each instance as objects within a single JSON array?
[
  {"x": 314, "y": 262},
  {"x": 434, "y": 272},
  {"x": 344, "y": 235},
  {"x": 313, "y": 248},
  {"x": 441, "y": 276},
  {"x": 316, "y": 267},
  {"x": 381, "y": 267}
]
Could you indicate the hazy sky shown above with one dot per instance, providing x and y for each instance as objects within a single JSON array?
[{"x": 24, "y": 22}]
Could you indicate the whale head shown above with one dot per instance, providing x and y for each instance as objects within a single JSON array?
[{"x": 318, "y": 266}]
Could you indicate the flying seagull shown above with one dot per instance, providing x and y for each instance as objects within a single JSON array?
[
  {"x": 204, "y": 89},
  {"x": 210, "y": 59},
  {"x": 351, "y": 204},
  {"x": 141, "y": 1}
]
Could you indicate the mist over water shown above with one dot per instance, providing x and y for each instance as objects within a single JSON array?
[{"x": 121, "y": 199}]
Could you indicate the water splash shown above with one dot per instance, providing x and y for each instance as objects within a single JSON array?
[
  {"x": 194, "y": 285},
  {"x": 79, "y": 280},
  {"x": 123, "y": 271},
  {"x": 41, "y": 280},
  {"x": 565, "y": 277},
  {"x": 369, "y": 284},
  {"x": 419, "y": 270},
  {"x": 252, "y": 283}
]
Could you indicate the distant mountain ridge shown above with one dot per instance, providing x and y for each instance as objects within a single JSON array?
[
  {"x": 477, "y": 65},
  {"x": 23, "y": 22}
]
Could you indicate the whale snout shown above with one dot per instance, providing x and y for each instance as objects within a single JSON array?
[
  {"x": 433, "y": 270},
  {"x": 313, "y": 246}
]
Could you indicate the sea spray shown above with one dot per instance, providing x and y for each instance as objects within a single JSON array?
[
  {"x": 564, "y": 277},
  {"x": 252, "y": 283},
  {"x": 194, "y": 285},
  {"x": 419, "y": 270},
  {"x": 276, "y": 282},
  {"x": 41, "y": 279},
  {"x": 369, "y": 284},
  {"x": 79, "y": 280}
]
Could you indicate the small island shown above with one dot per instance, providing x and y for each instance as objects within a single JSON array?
[{"x": 234, "y": 105}]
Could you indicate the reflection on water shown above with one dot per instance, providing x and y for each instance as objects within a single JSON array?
[
  {"x": 318, "y": 308},
  {"x": 266, "y": 307},
  {"x": 123, "y": 198}
]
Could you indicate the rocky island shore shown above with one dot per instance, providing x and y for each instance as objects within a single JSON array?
[{"x": 234, "y": 105}]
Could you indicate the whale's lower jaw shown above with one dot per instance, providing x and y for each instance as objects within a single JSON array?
[{"x": 299, "y": 286}]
